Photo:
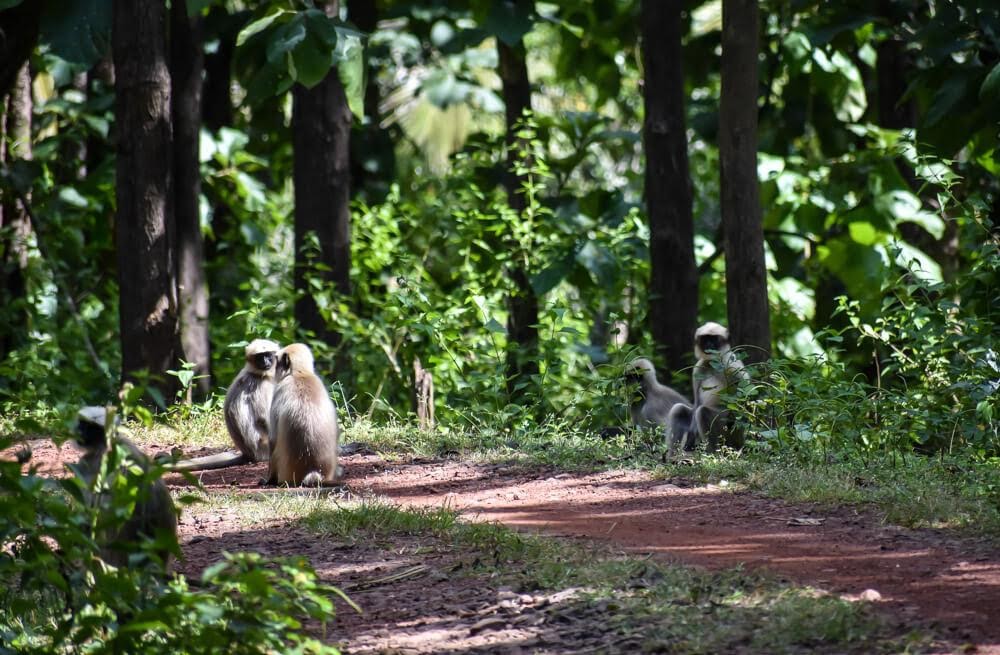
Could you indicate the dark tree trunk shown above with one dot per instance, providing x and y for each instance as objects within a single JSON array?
[
  {"x": 673, "y": 280},
  {"x": 522, "y": 304},
  {"x": 18, "y": 34},
  {"x": 186, "y": 66},
  {"x": 321, "y": 129},
  {"x": 15, "y": 226},
  {"x": 217, "y": 104},
  {"x": 746, "y": 274},
  {"x": 144, "y": 225}
]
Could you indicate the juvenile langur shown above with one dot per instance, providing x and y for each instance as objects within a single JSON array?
[
  {"x": 653, "y": 401},
  {"x": 247, "y": 410},
  {"x": 154, "y": 513},
  {"x": 304, "y": 430},
  {"x": 716, "y": 373}
]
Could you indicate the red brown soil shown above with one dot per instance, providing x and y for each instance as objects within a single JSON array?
[{"x": 921, "y": 576}]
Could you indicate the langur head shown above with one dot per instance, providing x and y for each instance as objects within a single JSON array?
[
  {"x": 92, "y": 427},
  {"x": 294, "y": 358},
  {"x": 640, "y": 371},
  {"x": 261, "y": 355},
  {"x": 709, "y": 337}
]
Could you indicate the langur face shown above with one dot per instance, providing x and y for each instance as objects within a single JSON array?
[
  {"x": 263, "y": 361},
  {"x": 714, "y": 342}
]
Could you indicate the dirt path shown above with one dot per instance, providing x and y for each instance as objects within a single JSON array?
[{"x": 919, "y": 575}]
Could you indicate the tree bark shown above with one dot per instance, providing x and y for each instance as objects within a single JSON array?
[
  {"x": 321, "y": 130},
  {"x": 673, "y": 280},
  {"x": 746, "y": 274},
  {"x": 522, "y": 303},
  {"x": 144, "y": 225},
  {"x": 15, "y": 226},
  {"x": 186, "y": 67}
]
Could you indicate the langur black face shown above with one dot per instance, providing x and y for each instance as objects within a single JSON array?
[
  {"x": 714, "y": 342},
  {"x": 90, "y": 427},
  {"x": 284, "y": 365},
  {"x": 263, "y": 361}
]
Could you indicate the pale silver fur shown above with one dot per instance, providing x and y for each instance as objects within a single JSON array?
[
  {"x": 657, "y": 399},
  {"x": 304, "y": 431}
]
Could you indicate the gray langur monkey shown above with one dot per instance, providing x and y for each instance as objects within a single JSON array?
[
  {"x": 304, "y": 431},
  {"x": 154, "y": 513},
  {"x": 653, "y": 401},
  {"x": 247, "y": 410},
  {"x": 716, "y": 373}
]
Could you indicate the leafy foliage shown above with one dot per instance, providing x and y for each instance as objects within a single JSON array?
[{"x": 61, "y": 594}]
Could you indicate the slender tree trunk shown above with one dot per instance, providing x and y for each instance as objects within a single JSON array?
[
  {"x": 15, "y": 226},
  {"x": 746, "y": 274},
  {"x": 144, "y": 225},
  {"x": 673, "y": 283},
  {"x": 186, "y": 67},
  {"x": 217, "y": 104},
  {"x": 18, "y": 34},
  {"x": 522, "y": 303},
  {"x": 321, "y": 130}
]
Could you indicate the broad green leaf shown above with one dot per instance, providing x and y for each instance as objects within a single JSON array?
[
  {"x": 494, "y": 326},
  {"x": 509, "y": 21},
  {"x": 863, "y": 232},
  {"x": 260, "y": 25},
  {"x": 285, "y": 38},
  {"x": 946, "y": 99},
  {"x": 902, "y": 205},
  {"x": 79, "y": 32},
  {"x": 7, "y": 4},
  {"x": 351, "y": 69},
  {"x": 915, "y": 260},
  {"x": 312, "y": 61}
]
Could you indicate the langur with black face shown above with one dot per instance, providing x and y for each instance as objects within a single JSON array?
[
  {"x": 716, "y": 374},
  {"x": 154, "y": 513},
  {"x": 304, "y": 431},
  {"x": 247, "y": 410},
  {"x": 653, "y": 401}
]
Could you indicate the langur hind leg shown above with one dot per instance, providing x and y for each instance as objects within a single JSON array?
[{"x": 678, "y": 425}]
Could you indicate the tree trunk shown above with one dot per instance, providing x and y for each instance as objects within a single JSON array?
[
  {"x": 321, "y": 130},
  {"x": 144, "y": 225},
  {"x": 673, "y": 281},
  {"x": 746, "y": 274},
  {"x": 522, "y": 304},
  {"x": 18, "y": 34},
  {"x": 186, "y": 67},
  {"x": 15, "y": 226}
]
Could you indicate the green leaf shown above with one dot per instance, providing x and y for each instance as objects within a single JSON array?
[
  {"x": 351, "y": 69},
  {"x": 863, "y": 232},
  {"x": 508, "y": 21},
  {"x": 285, "y": 38},
  {"x": 7, "y": 4},
  {"x": 259, "y": 25},
  {"x": 947, "y": 98},
  {"x": 79, "y": 32},
  {"x": 990, "y": 89},
  {"x": 494, "y": 326}
]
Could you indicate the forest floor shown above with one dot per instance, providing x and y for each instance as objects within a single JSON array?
[{"x": 917, "y": 579}]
